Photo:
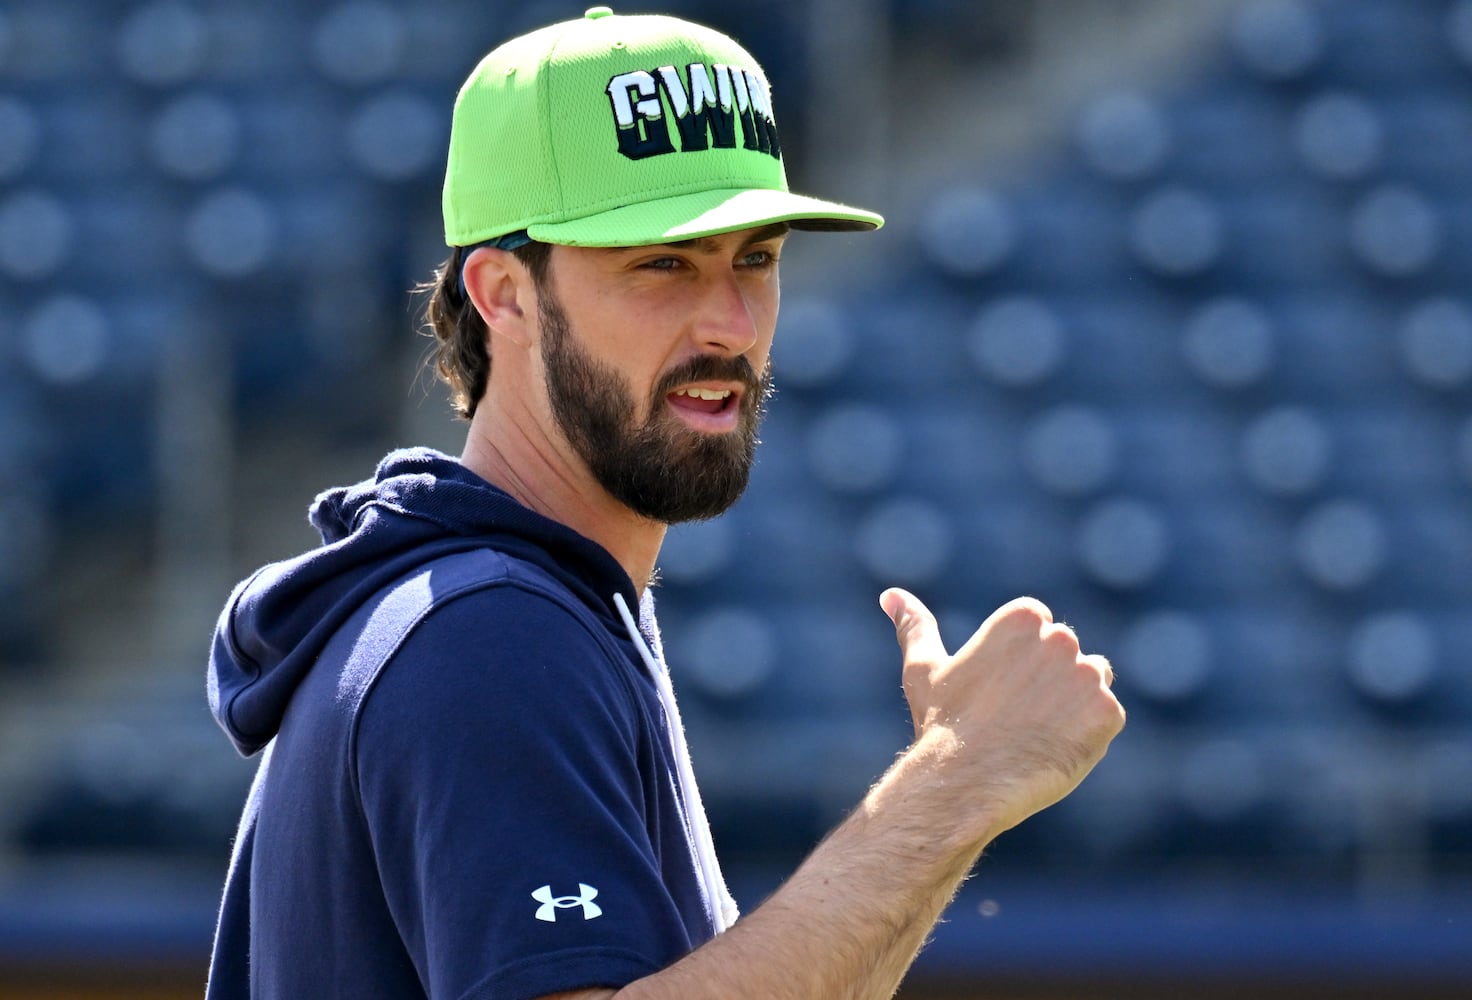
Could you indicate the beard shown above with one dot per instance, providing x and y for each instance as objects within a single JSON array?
[{"x": 661, "y": 469}]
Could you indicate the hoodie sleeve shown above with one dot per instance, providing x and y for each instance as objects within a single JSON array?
[{"x": 509, "y": 776}]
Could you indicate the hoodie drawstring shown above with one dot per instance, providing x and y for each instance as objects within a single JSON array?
[{"x": 723, "y": 908}]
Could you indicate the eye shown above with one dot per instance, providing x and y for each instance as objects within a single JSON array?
[
  {"x": 662, "y": 264},
  {"x": 759, "y": 259}
]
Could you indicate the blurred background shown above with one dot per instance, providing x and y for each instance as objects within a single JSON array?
[{"x": 1169, "y": 327}]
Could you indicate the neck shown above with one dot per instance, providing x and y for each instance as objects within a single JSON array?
[{"x": 546, "y": 475}]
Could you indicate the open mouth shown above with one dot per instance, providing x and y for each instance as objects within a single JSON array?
[{"x": 705, "y": 407}]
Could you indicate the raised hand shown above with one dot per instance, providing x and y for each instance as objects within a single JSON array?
[{"x": 1019, "y": 712}]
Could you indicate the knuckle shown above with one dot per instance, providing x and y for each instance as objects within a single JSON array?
[
  {"x": 1063, "y": 638},
  {"x": 910, "y": 637},
  {"x": 915, "y": 670},
  {"x": 1026, "y": 612},
  {"x": 913, "y": 621},
  {"x": 1110, "y": 712},
  {"x": 918, "y": 674}
]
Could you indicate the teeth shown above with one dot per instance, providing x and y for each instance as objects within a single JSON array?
[{"x": 705, "y": 393}]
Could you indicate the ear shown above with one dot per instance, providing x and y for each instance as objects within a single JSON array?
[{"x": 501, "y": 290}]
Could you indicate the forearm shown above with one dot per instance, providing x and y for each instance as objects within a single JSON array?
[
  {"x": 849, "y": 922},
  {"x": 1008, "y": 726}
]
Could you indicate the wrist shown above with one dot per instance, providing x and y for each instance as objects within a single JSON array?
[{"x": 933, "y": 783}]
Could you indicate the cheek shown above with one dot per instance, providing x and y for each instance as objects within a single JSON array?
[
  {"x": 761, "y": 351},
  {"x": 764, "y": 303},
  {"x": 618, "y": 341}
]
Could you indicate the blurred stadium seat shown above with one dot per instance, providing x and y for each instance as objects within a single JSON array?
[{"x": 1199, "y": 376}]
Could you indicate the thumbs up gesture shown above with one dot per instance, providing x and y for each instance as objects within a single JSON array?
[{"x": 1019, "y": 714}]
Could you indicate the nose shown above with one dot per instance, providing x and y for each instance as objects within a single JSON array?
[{"x": 727, "y": 320}]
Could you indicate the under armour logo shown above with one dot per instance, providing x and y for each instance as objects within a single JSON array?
[{"x": 551, "y": 904}]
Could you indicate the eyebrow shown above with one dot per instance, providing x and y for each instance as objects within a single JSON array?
[{"x": 708, "y": 244}]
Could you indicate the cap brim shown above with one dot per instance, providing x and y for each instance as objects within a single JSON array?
[{"x": 703, "y": 213}]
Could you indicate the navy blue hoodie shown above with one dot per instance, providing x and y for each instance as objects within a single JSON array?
[{"x": 469, "y": 788}]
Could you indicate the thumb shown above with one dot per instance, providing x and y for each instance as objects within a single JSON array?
[{"x": 914, "y": 625}]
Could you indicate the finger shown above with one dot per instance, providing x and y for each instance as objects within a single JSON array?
[
  {"x": 1022, "y": 617},
  {"x": 914, "y": 625},
  {"x": 1023, "y": 609},
  {"x": 1101, "y": 664},
  {"x": 1061, "y": 633}
]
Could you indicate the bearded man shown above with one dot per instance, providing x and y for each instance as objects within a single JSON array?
[{"x": 474, "y": 781}]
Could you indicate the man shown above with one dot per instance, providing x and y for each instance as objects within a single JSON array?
[{"x": 474, "y": 783}]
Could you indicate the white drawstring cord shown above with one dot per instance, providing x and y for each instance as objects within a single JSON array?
[{"x": 723, "y": 908}]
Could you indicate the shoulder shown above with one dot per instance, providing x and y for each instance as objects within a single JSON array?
[
  {"x": 498, "y": 651},
  {"x": 502, "y": 698},
  {"x": 517, "y": 616}
]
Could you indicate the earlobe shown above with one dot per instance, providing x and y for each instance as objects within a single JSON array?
[{"x": 499, "y": 288}]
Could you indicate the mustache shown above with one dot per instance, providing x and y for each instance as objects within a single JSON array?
[{"x": 712, "y": 368}]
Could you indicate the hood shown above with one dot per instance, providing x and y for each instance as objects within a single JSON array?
[{"x": 419, "y": 506}]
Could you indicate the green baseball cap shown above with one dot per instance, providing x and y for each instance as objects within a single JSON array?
[{"x": 621, "y": 131}]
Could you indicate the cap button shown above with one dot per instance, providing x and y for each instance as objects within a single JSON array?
[{"x": 593, "y": 13}]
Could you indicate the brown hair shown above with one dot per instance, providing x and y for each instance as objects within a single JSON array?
[{"x": 461, "y": 355}]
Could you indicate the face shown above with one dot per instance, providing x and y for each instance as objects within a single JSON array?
[{"x": 672, "y": 430}]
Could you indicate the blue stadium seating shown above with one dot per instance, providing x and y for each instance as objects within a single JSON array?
[{"x": 1200, "y": 380}]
